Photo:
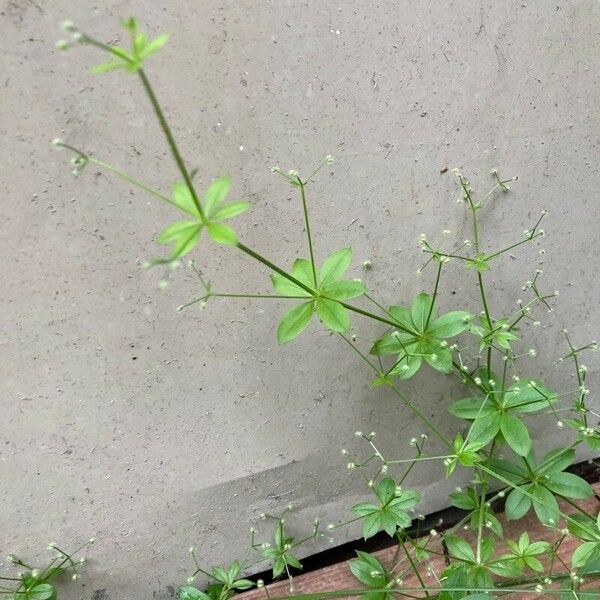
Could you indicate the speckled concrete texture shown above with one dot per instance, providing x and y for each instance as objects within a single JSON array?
[{"x": 154, "y": 430}]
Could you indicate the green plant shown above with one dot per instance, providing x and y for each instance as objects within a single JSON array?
[
  {"x": 479, "y": 348},
  {"x": 33, "y": 583}
]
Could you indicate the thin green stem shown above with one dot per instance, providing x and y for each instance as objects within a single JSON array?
[
  {"x": 414, "y": 568},
  {"x": 308, "y": 234},
  {"x": 171, "y": 141},
  {"x": 434, "y": 296}
]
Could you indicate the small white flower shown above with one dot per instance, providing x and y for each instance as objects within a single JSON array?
[{"x": 329, "y": 159}]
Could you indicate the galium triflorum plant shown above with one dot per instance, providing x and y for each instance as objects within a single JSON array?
[{"x": 479, "y": 347}]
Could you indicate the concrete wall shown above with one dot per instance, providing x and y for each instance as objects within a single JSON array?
[{"x": 153, "y": 429}]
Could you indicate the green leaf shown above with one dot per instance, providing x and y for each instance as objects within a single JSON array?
[
  {"x": 175, "y": 230},
  {"x": 471, "y": 408},
  {"x": 407, "y": 366},
  {"x": 463, "y": 500},
  {"x": 388, "y": 522},
  {"x": 343, "y": 290},
  {"x": 400, "y": 517},
  {"x": 285, "y": 287},
  {"x": 437, "y": 357},
  {"x": 230, "y": 210},
  {"x": 335, "y": 265},
  {"x": 372, "y": 524},
  {"x": 220, "y": 574},
  {"x": 505, "y": 567},
  {"x": 569, "y": 485},
  {"x": 517, "y": 503},
  {"x": 402, "y": 316},
  {"x": 393, "y": 342},
  {"x": 529, "y": 397},
  {"x": 545, "y": 505},
  {"x": 556, "y": 460},
  {"x": 42, "y": 591},
  {"x": 154, "y": 46},
  {"x": 183, "y": 234},
  {"x": 385, "y": 490},
  {"x": 450, "y": 324},
  {"x": 420, "y": 311},
  {"x": 188, "y": 592},
  {"x": 333, "y": 315},
  {"x": 302, "y": 271},
  {"x": 294, "y": 321},
  {"x": 278, "y": 566},
  {"x": 585, "y": 553},
  {"x": 242, "y": 584},
  {"x": 508, "y": 471},
  {"x": 454, "y": 578},
  {"x": 222, "y": 234},
  {"x": 583, "y": 527},
  {"x": 215, "y": 194},
  {"x": 485, "y": 428},
  {"x": 406, "y": 499},
  {"x": 515, "y": 433},
  {"x": 459, "y": 548},
  {"x": 368, "y": 570},
  {"x": 362, "y": 509},
  {"x": 292, "y": 561},
  {"x": 106, "y": 67},
  {"x": 182, "y": 197}
]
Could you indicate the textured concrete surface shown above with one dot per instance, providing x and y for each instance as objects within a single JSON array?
[{"x": 153, "y": 429}]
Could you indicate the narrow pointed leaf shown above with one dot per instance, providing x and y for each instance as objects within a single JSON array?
[
  {"x": 286, "y": 287},
  {"x": 215, "y": 194},
  {"x": 302, "y": 271},
  {"x": 515, "y": 433},
  {"x": 154, "y": 46},
  {"x": 343, "y": 290},
  {"x": 230, "y": 210},
  {"x": 450, "y": 324},
  {"x": 420, "y": 311},
  {"x": 333, "y": 315},
  {"x": 335, "y": 265},
  {"x": 294, "y": 322},
  {"x": 182, "y": 197},
  {"x": 517, "y": 503},
  {"x": 222, "y": 234}
]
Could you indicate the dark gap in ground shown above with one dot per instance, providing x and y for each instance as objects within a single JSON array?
[{"x": 588, "y": 470}]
